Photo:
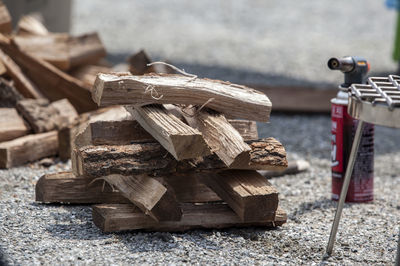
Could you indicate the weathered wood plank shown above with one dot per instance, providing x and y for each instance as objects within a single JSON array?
[
  {"x": 149, "y": 195},
  {"x": 62, "y": 50},
  {"x": 5, "y": 19},
  {"x": 152, "y": 158},
  {"x": 65, "y": 187},
  {"x": 248, "y": 193},
  {"x": 28, "y": 148},
  {"x": 220, "y": 135},
  {"x": 238, "y": 101},
  {"x": 22, "y": 83},
  {"x": 11, "y": 124},
  {"x": 44, "y": 116},
  {"x": 246, "y": 128},
  {"x": 179, "y": 139},
  {"x": 122, "y": 217},
  {"x": 52, "y": 82}
]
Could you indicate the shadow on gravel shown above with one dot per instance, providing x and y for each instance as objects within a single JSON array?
[{"x": 319, "y": 204}]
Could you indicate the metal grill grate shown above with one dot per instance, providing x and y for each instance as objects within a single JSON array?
[{"x": 379, "y": 90}]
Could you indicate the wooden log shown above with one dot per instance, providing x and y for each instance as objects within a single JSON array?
[
  {"x": 220, "y": 135},
  {"x": 188, "y": 188},
  {"x": 179, "y": 139},
  {"x": 28, "y": 149},
  {"x": 122, "y": 217},
  {"x": 23, "y": 84},
  {"x": 31, "y": 24},
  {"x": 65, "y": 187},
  {"x": 9, "y": 96},
  {"x": 88, "y": 73},
  {"x": 149, "y": 195},
  {"x": 52, "y": 82},
  {"x": 44, "y": 116},
  {"x": 246, "y": 128},
  {"x": 238, "y": 101},
  {"x": 294, "y": 167},
  {"x": 62, "y": 50},
  {"x": 247, "y": 192},
  {"x": 5, "y": 19},
  {"x": 152, "y": 158},
  {"x": 11, "y": 124}
]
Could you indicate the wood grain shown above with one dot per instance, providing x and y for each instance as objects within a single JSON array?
[
  {"x": 11, "y": 124},
  {"x": 238, "y": 101},
  {"x": 179, "y": 139},
  {"x": 246, "y": 128},
  {"x": 28, "y": 149},
  {"x": 122, "y": 217}
]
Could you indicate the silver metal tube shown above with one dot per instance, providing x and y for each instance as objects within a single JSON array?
[{"x": 345, "y": 187}]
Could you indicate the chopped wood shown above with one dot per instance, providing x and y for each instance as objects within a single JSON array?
[
  {"x": 9, "y": 96},
  {"x": 23, "y": 84},
  {"x": 52, "y": 82},
  {"x": 88, "y": 73},
  {"x": 28, "y": 149},
  {"x": 179, "y": 139},
  {"x": 220, "y": 135},
  {"x": 246, "y": 128},
  {"x": 149, "y": 195},
  {"x": 248, "y": 193},
  {"x": 11, "y": 124},
  {"x": 188, "y": 187},
  {"x": 65, "y": 187},
  {"x": 238, "y": 101},
  {"x": 294, "y": 167},
  {"x": 31, "y": 24},
  {"x": 5, "y": 19},
  {"x": 44, "y": 116},
  {"x": 152, "y": 158},
  {"x": 122, "y": 217},
  {"x": 62, "y": 50}
]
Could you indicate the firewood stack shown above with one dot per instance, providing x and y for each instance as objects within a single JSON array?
[{"x": 163, "y": 156}]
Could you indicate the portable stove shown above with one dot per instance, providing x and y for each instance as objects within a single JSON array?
[{"x": 377, "y": 102}]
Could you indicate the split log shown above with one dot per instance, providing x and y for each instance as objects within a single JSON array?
[
  {"x": 221, "y": 136},
  {"x": 294, "y": 167},
  {"x": 62, "y": 50},
  {"x": 11, "y": 124},
  {"x": 246, "y": 128},
  {"x": 52, "y": 82},
  {"x": 188, "y": 188},
  {"x": 88, "y": 73},
  {"x": 248, "y": 193},
  {"x": 122, "y": 217},
  {"x": 9, "y": 96},
  {"x": 65, "y": 187},
  {"x": 31, "y": 24},
  {"x": 28, "y": 148},
  {"x": 5, "y": 19},
  {"x": 152, "y": 158},
  {"x": 44, "y": 116},
  {"x": 238, "y": 101},
  {"x": 149, "y": 195},
  {"x": 179, "y": 139},
  {"x": 22, "y": 83}
]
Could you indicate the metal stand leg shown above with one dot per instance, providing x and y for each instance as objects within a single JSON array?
[
  {"x": 398, "y": 251},
  {"x": 345, "y": 187}
]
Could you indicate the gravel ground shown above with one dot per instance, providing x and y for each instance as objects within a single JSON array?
[{"x": 33, "y": 233}]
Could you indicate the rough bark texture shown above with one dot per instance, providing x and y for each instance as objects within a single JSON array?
[
  {"x": 44, "y": 116},
  {"x": 28, "y": 148},
  {"x": 152, "y": 158},
  {"x": 65, "y": 187},
  {"x": 11, "y": 125},
  {"x": 122, "y": 217},
  {"x": 149, "y": 195},
  {"x": 179, "y": 139},
  {"x": 9, "y": 96},
  {"x": 248, "y": 193},
  {"x": 235, "y": 100}
]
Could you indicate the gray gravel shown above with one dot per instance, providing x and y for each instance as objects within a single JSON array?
[{"x": 33, "y": 233}]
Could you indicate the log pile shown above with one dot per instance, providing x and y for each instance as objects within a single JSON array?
[{"x": 163, "y": 156}]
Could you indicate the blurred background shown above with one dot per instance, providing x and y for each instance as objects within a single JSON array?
[{"x": 258, "y": 42}]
